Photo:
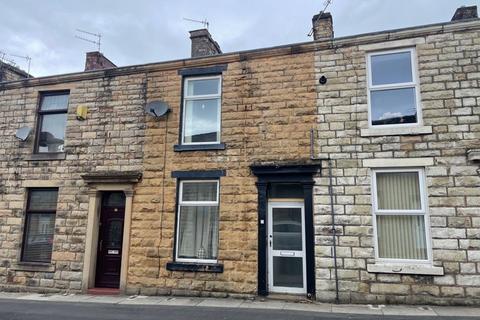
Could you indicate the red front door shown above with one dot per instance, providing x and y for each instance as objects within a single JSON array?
[{"x": 110, "y": 239}]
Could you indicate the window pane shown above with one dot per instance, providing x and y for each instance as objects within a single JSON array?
[
  {"x": 401, "y": 237},
  {"x": 199, "y": 191},
  {"x": 288, "y": 272},
  {"x": 287, "y": 229},
  {"x": 39, "y": 237},
  {"x": 114, "y": 199},
  {"x": 115, "y": 234},
  {"x": 198, "y": 232},
  {"x": 393, "y": 106},
  {"x": 202, "y": 120},
  {"x": 398, "y": 191},
  {"x": 202, "y": 87},
  {"x": 54, "y": 102},
  {"x": 53, "y": 133},
  {"x": 391, "y": 68},
  {"x": 43, "y": 200},
  {"x": 285, "y": 190}
]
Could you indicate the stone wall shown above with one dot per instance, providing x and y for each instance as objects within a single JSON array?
[
  {"x": 448, "y": 64},
  {"x": 110, "y": 139},
  {"x": 10, "y": 73},
  {"x": 268, "y": 109}
]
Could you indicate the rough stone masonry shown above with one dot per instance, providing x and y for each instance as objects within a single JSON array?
[
  {"x": 448, "y": 70},
  {"x": 271, "y": 99}
]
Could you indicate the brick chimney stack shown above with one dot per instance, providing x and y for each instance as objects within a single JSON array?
[
  {"x": 97, "y": 61},
  {"x": 203, "y": 44},
  {"x": 464, "y": 12},
  {"x": 322, "y": 26}
]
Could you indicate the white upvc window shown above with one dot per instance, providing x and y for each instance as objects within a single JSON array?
[
  {"x": 393, "y": 88},
  {"x": 201, "y": 110},
  {"x": 400, "y": 216},
  {"x": 197, "y": 221}
]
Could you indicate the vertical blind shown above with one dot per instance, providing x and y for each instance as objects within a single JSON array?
[
  {"x": 398, "y": 191},
  {"x": 400, "y": 235}
]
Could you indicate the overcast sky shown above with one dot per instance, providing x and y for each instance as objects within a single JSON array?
[{"x": 141, "y": 31}]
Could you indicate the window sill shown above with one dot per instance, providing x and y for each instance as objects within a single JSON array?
[
  {"x": 405, "y": 269},
  {"x": 396, "y": 131},
  {"x": 45, "y": 156},
  {"x": 195, "y": 267},
  {"x": 33, "y": 266},
  {"x": 198, "y": 147}
]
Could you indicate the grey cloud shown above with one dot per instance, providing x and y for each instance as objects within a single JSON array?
[{"x": 142, "y": 31}]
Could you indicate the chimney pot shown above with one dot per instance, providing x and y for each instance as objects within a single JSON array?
[
  {"x": 203, "y": 44},
  {"x": 97, "y": 61},
  {"x": 322, "y": 26},
  {"x": 464, "y": 13}
]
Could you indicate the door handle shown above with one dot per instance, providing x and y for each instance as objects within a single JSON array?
[
  {"x": 101, "y": 245},
  {"x": 270, "y": 243}
]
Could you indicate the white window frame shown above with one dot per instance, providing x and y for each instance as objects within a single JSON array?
[
  {"x": 194, "y": 203},
  {"x": 413, "y": 84},
  {"x": 187, "y": 97},
  {"x": 422, "y": 211}
]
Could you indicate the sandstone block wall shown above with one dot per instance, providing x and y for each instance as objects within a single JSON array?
[{"x": 268, "y": 109}]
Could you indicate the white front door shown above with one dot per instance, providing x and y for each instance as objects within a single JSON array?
[{"x": 286, "y": 247}]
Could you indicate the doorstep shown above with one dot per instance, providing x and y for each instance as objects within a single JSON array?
[{"x": 104, "y": 291}]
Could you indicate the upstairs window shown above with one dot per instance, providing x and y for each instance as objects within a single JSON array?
[
  {"x": 393, "y": 88},
  {"x": 52, "y": 121},
  {"x": 39, "y": 225},
  {"x": 201, "y": 110}
]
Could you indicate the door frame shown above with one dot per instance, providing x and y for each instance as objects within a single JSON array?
[
  {"x": 283, "y": 204},
  {"x": 302, "y": 174},
  {"x": 101, "y": 233},
  {"x": 91, "y": 244}
]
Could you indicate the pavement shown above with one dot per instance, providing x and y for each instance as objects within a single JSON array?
[{"x": 69, "y": 306}]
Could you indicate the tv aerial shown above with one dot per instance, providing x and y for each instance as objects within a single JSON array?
[
  {"x": 204, "y": 22},
  {"x": 157, "y": 109},
  {"x": 23, "y": 133},
  {"x": 96, "y": 42}
]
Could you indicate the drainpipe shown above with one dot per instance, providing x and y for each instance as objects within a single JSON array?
[{"x": 332, "y": 209}]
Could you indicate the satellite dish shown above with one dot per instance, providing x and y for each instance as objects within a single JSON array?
[
  {"x": 23, "y": 133},
  {"x": 157, "y": 109}
]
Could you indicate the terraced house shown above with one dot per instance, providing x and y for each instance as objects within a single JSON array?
[{"x": 337, "y": 169}]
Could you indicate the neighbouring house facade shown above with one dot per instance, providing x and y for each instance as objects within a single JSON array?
[
  {"x": 337, "y": 169},
  {"x": 9, "y": 72},
  {"x": 399, "y": 119}
]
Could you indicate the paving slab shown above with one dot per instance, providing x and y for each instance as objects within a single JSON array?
[
  {"x": 68, "y": 297},
  {"x": 357, "y": 309},
  {"x": 408, "y": 311},
  {"x": 12, "y": 295},
  {"x": 142, "y": 300},
  {"x": 35, "y": 297},
  {"x": 259, "y": 304},
  {"x": 105, "y": 299},
  {"x": 174, "y": 301},
  {"x": 457, "y": 311},
  {"x": 312, "y": 307},
  {"x": 221, "y": 303}
]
